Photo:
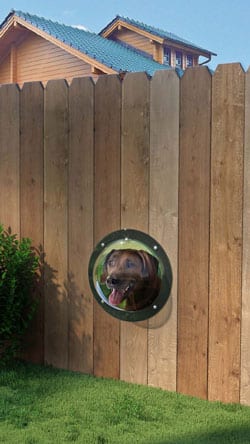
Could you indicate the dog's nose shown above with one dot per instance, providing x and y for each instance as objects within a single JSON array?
[{"x": 113, "y": 281}]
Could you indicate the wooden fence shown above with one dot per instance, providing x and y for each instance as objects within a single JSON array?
[{"x": 167, "y": 156}]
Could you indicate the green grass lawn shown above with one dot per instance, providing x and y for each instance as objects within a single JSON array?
[{"x": 44, "y": 405}]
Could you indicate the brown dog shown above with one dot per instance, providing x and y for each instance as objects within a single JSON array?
[{"x": 132, "y": 276}]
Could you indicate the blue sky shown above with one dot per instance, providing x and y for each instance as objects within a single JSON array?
[{"x": 221, "y": 26}]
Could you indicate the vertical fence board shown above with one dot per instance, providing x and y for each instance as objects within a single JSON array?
[
  {"x": 9, "y": 157},
  {"x": 31, "y": 195},
  {"x": 245, "y": 329},
  {"x": 56, "y": 223},
  {"x": 195, "y": 117},
  {"x": 135, "y": 205},
  {"x": 107, "y": 210},
  {"x": 226, "y": 232},
  {"x": 163, "y": 222},
  {"x": 81, "y": 182}
]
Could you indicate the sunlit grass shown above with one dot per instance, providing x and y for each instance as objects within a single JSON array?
[{"x": 44, "y": 405}]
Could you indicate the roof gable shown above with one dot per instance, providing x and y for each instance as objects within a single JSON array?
[
  {"x": 91, "y": 46},
  {"x": 159, "y": 34}
]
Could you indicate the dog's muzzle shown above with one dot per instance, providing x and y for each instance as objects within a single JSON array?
[
  {"x": 120, "y": 288},
  {"x": 113, "y": 282}
]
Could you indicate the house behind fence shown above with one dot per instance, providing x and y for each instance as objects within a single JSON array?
[
  {"x": 166, "y": 156},
  {"x": 34, "y": 48}
]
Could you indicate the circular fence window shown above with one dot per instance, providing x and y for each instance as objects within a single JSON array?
[{"x": 130, "y": 275}]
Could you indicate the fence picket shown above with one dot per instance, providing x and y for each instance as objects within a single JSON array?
[
  {"x": 107, "y": 210},
  {"x": 31, "y": 194},
  {"x": 56, "y": 223},
  {"x": 9, "y": 157},
  {"x": 194, "y": 182},
  {"x": 245, "y": 309},
  {"x": 81, "y": 180},
  {"x": 163, "y": 221},
  {"x": 135, "y": 205},
  {"x": 226, "y": 233}
]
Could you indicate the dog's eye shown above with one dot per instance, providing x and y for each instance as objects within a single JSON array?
[
  {"x": 130, "y": 264},
  {"x": 111, "y": 263}
]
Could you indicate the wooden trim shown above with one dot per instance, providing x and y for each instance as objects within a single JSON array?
[
  {"x": 172, "y": 57},
  {"x": 186, "y": 49},
  {"x": 57, "y": 42},
  {"x": 6, "y": 51},
  {"x": 95, "y": 70},
  {"x": 8, "y": 25},
  {"x": 154, "y": 38},
  {"x": 126, "y": 25},
  {"x": 13, "y": 64},
  {"x": 158, "y": 52}
]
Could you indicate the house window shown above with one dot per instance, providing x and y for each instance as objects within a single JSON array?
[
  {"x": 178, "y": 59},
  {"x": 167, "y": 57},
  {"x": 190, "y": 60}
]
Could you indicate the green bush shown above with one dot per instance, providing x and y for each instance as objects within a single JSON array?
[{"x": 19, "y": 264}]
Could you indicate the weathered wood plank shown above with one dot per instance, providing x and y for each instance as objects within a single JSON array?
[
  {"x": 135, "y": 205},
  {"x": 226, "y": 233},
  {"x": 56, "y": 223},
  {"x": 31, "y": 196},
  {"x": 9, "y": 157},
  {"x": 245, "y": 327},
  {"x": 195, "y": 117},
  {"x": 163, "y": 220},
  {"x": 107, "y": 210},
  {"x": 81, "y": 190}
]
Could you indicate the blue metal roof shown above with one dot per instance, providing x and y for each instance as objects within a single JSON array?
[
  {"x": 158, "y": 32},
  {"x": 111, "y": 54}
]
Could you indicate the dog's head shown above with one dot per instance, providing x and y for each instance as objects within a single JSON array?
[{"x": 131, "y": 275}]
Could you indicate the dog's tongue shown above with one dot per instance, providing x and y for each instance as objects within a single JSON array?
[{"x": 116, "y": 297}]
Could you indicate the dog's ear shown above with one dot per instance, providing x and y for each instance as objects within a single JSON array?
[{"x": 150, "y": 264}]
